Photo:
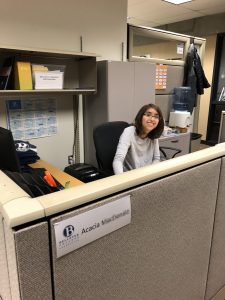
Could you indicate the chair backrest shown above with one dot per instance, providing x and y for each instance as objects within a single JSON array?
[{"x": 106, "y": 137}]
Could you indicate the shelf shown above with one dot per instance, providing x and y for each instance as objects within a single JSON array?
[
  {"x": 80, "y": 76},
  {"x": 45, "y": 52},
  {"x": 68, "y": 91}
]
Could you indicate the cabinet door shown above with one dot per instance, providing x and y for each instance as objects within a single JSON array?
[
  {"x": 144, "y": 85},
  {"x": 120, "y": 91},
  {"x": 180, "y": 141}
]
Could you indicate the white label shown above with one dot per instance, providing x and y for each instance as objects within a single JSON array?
[
  {"x": 180, "y": 48},
  {"x": 77, "y": 231},
  {"x": 48, "y": 80}
]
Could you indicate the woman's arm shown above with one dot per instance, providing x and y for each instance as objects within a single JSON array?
[
  {"x": 156, "y": 153},
  {"x": 121, "y": 152}
]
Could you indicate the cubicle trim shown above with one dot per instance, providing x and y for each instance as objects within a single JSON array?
[{"x": 18, "y": 211}]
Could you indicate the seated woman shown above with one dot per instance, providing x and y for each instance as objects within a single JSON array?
[{"x": 138, "y": 145}]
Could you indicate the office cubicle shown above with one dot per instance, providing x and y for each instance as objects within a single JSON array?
[{"x": 172, "y": 247}]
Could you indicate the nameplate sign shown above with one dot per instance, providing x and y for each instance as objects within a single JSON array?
[{"x": 80, "y": 230}]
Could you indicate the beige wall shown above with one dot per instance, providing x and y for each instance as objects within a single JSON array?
[
  {"x": 58, "y": 25},
  {"x": 208, "y": 65}
]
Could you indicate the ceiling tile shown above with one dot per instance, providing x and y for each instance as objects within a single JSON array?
[
  {"x": 160, "y": 12},
  {"x": 139, "y": 22},
  {"x": 214, "y": 10},
  {"x": 153, "y": 7},
  {"x": 203, "y": 4},
  {"x": 178, "y": 18}
]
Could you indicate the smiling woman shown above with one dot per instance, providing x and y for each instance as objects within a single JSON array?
[{"x": 138, "y": 145}]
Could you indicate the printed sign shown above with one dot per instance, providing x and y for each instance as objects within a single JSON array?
[
  {"x": 180, "y": 48},
  {"x": 161, "y": 77},
  {"x": 77, "y": 231}
]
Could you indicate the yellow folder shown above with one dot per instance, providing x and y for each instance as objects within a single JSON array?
[{"x": 23, "y": 77}]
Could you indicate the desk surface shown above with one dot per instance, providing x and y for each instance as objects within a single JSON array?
[
  {"x": 174, "y": 136},
  {"x": 59, "y": 175}
]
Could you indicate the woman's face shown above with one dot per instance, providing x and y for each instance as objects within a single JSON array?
[{"x": 150, "y": 120}]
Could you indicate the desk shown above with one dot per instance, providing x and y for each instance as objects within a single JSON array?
[
  {"x": 180, "y": 141},
  {"x": 59, "y": 175}
]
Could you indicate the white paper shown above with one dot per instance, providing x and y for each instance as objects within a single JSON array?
[
  {"x": 48, "y": 80},
  {"x": 180, "y": 48}
]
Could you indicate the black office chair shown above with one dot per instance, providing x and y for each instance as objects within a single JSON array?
[{"x": 106, "y": 137}]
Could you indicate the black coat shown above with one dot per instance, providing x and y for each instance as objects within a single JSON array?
[
  {"x": 194, "y": 75},
  {"x": 202, "y": 82}
]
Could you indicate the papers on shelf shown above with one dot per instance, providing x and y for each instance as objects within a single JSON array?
[
  {"x": 48, "y": 80},
  {"x": 45, "y": 78}
]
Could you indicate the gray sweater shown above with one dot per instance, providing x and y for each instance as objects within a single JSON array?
[{"x": 134, "y": 152}]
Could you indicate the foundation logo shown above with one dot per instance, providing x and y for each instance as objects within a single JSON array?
[{"x": 68, "y": 231}]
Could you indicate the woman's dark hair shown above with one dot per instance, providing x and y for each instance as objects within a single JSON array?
[{"x": 156, "y": 132}]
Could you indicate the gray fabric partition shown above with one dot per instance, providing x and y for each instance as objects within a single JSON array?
[
  {"x": 33, "y": 262},
  {"x": 164, "y": 252},
  {"x": 216, "y": 277},
  {"x": 11, "y": 263},
  {"x": 4, "y": 272}
]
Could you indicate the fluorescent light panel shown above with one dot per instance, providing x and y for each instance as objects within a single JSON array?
[{"x": 177, "y": 1}]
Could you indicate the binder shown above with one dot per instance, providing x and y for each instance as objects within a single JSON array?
[
  {"x": 23, "y": 77},
  {"x": 5, "y": 73}
]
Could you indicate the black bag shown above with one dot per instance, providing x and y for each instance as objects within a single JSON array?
[
  {"x": 84, "y": 172},
  {"x": 33, "y": 182}
]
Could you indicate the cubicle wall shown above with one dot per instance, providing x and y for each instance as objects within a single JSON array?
[
  {"x": 9, "y": 276},
  {"x": 162, "y": 254},
  {"x": 216, "y": 276},
  {"x": 4, "y": 278},
  {"x": 25, "y": 263},
  {"x": 33, "y": 262},
  {"x": 173, "y": 248}
]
